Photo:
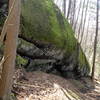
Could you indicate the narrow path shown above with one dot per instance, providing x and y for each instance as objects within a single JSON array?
[{"x": 42, "y": 86}]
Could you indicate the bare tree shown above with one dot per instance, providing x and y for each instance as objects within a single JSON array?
[
  {"x": 64, "y": 7},
  {"x": 69, "y": 8},
  {"x": 86, "y": 38},
  {"x": 78, "y": 15},
  {"x": 84, "y": 21},
  {"x": 95, "y": 42},
  {"x": 10, "y": 51},
  {"x": 74, "y": 11},
  {"x": 81, "y": 21}
]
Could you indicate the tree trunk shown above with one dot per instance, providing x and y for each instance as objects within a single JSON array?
[
  {"x": 95, "y": 41},
  {"x": 64, "y": 6},
  {"x": 10, "y": 51},
  {"x": 86, "y": 10},
  {"x": 87, "y": 34},
  {"x": 81, "y": 21},
  {"x": 69, "y": 8},
  {"x": 74, "y": 11},
  {"x": 77, "y": 15}
]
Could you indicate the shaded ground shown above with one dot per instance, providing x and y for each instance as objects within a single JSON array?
[{"x": 42, "y": 86}]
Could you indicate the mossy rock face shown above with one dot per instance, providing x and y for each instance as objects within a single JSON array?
[{"x": 42, "y": 20}]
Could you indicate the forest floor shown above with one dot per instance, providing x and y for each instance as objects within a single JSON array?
[{"x": 42, "y": 86}]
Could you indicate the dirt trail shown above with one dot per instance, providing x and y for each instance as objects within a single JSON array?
[{"x": 42, "y": 86}]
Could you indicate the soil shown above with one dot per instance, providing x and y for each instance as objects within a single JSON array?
[{"x": 42, "y": 86}]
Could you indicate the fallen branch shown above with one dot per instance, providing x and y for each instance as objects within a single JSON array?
[
  {"x": 29, "y": 85},
  {"x": 26, "y": 85}
]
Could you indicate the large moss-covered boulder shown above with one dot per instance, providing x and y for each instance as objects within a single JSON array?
[{"x": 42, "y": 20}]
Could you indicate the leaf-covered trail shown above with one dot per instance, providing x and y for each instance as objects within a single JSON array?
[{"x": 42, "y": 86}]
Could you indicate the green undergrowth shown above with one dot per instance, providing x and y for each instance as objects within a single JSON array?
[{"x": 20, "y": 61}]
